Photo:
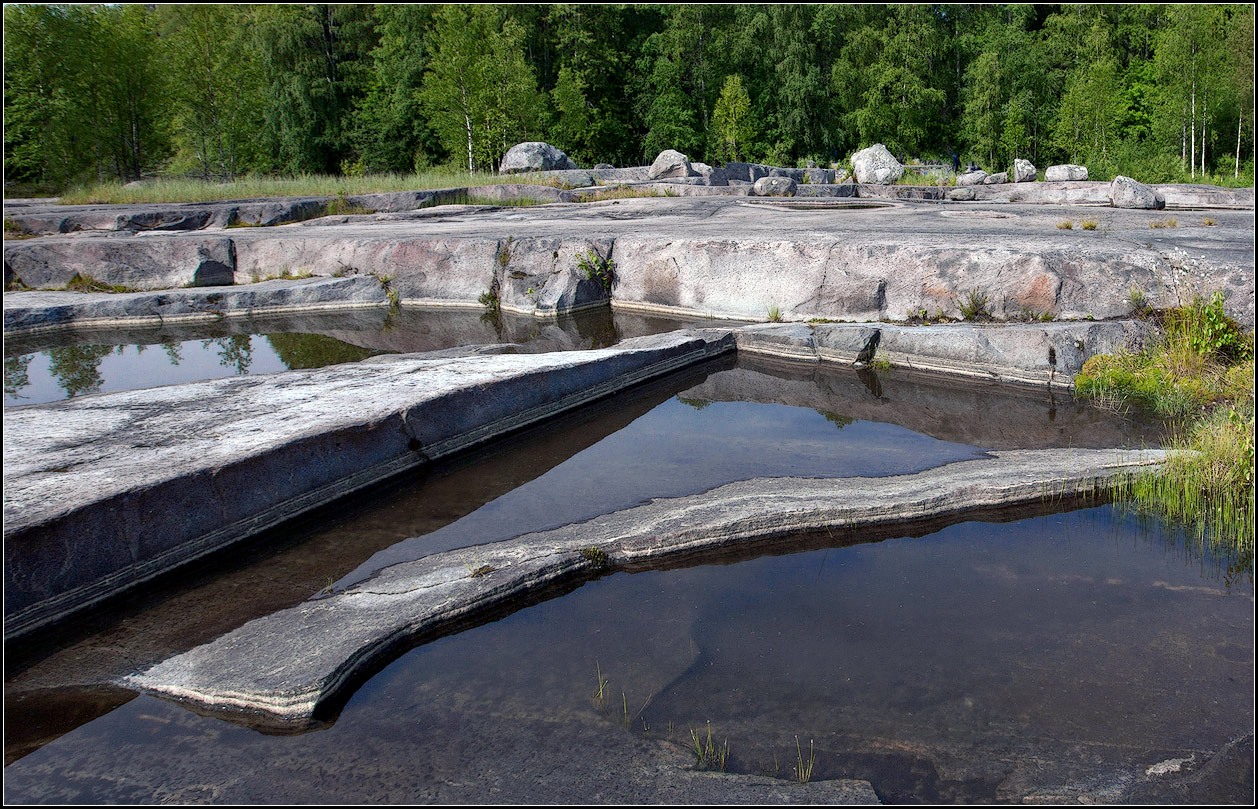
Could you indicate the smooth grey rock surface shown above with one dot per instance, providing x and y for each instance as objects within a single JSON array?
[
  {"x": 534, "y": 156},
  {"x": 103, "y": 492},
  {"x": 284, "y": 665},
  {"x": 1065, "y": 173},
  {"x": 972, "y": 178},
  {"x": 1023, "y": 171},
  {"x": 1125, "y": 192},
  {"x": 876, "y": 165},
  {"x": 26, "y": 312}
]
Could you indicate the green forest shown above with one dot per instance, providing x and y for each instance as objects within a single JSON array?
[{"x": 1163, "y": 93}]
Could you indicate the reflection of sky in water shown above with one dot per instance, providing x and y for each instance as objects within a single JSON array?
[
  {"x": 75, "y": 370},
  {"x": 685, "y": 447}
]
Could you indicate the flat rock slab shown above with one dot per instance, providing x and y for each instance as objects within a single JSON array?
[
  {"x": 34, "y": 312},
  {"x": 103, "y": 492},
  {"x": 280, "y": 668},
  {"x": 1031, "y": 353}
]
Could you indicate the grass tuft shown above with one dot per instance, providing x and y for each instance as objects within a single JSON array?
[
  {"x": 975, "y": 306},
  {"x": 86, "y": 283},
  {"x": 803, "y": 768},
  {"x": 1089, "y": 224},
  {"x": 1065, "y": 224},
  {"x": 1201, "y": 371},
  {"x": 708, "y": 754}
]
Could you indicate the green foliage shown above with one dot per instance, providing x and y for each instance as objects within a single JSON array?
[
  {"x": 86, "y": 283},
  {"x": 731, "y": 120},
  {"x": 597, "y": 268},
  {"x": 1208, "y": 330},
  {"x": 975, "y": 306},
  {"x": 1202, "y": 369},
  {"x": 478, "y": 92},
  {"x": 1160, "y": 93}
]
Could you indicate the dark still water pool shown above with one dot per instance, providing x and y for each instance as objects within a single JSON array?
[
  {"x": 986, "y": 662},
  {"x": 1045, "y": 656}
]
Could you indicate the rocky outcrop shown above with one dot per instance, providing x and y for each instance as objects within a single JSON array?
[
  {"x": 1125, "y": 192},
  {"x": 1065, "y": 173},
  {"x": 1023, "y": 171},
  {"x": 876, "y": 165},
  {"x": 534, "y": 156}
]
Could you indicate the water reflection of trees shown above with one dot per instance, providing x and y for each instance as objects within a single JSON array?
[
  {"x": 16, "y": 375},
  {"x": 77, "y": 368},
  {"x": 234, "y": 351}
]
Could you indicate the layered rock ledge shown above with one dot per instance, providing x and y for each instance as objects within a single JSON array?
[
  {"x": 709, "y": 256},
  {"x": 104, "y": 492},
  {"x": 282, "y": 667}
]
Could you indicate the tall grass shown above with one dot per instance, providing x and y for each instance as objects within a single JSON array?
[
  {"x": 1200, "y": 371},
  {"x": 304, "y": 185}
]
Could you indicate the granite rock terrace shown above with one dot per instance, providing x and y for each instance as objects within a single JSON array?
[{"x": 106, "y": 493}]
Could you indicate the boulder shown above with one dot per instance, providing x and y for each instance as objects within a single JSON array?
[
  {"x": 1065, "y": 173},
  {"x": 534, "y": 156},
  {"x": 670, "y": 164},
  {"x": 775, "y": 187},
  {"x": 1125, "y": 192},
  {"x": 1023, "y": 171},
  {"x": 818, "y": 176},
  {"x": 971, "y": 178},
  {"x": 877, "y": 166},
  {"x": 996, "y": 179},
  {"x": 961, "y": 194},
  {"x": 709, "y": 175}
]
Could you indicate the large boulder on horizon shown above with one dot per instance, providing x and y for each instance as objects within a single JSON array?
[
  {"x": 1065, "y": 173},
  {"x": 971, "y": 178},
  {"x": 1023, "y": 171},
  {"x": 876, "y": 166},
  {"x": 999, "y": 178},
  {"x": 670, "y": 164},
  {"x": 1125, "y": 192},
  {"x": 534, "y": 156}
]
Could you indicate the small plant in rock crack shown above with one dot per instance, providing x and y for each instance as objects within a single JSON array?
[
  {"x": 974, "y": 307},
  {"x": 596, "y": 556},
  {"x": 597, "y": 268}
]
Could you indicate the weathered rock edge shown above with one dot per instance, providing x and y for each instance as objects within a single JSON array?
[
  {"x": 102, "y": 493},
  {"x": 280, "y": 668}
]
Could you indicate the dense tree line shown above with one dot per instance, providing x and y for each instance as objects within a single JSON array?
[{"x": 91, "y": 92}]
